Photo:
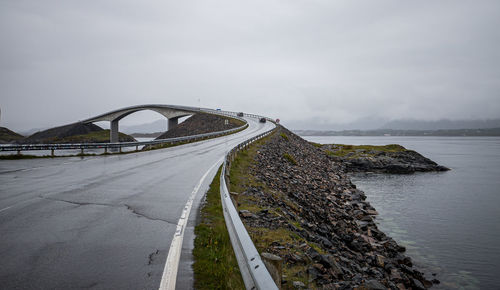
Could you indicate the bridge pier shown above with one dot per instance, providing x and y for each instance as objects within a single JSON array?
[
  {"x": 113, "y": 132},
  {"x": 172, "y": 123}
]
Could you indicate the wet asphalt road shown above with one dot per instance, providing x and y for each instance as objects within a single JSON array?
[{"x": 102, "y": 222}]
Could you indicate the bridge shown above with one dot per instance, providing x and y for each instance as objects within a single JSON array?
[
  {"x": 171, "y": 112},
  {"x": 118, "y": 221}
]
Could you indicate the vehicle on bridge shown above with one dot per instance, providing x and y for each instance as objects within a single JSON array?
[
  {"x": 240, "y": 114},
  {"x": 262, "y": 120}
]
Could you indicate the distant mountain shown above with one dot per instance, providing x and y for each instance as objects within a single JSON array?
[
  {"x": 314, "y": 123},
  {"x": 156, "y": 126},
  {"x": 147, "y": 135},
  {"x": 32, "y": 131},
  {"x": 391, "y": 132},
  {"x": 373, "y": 123},
  {"x": 441, "y": 124}
]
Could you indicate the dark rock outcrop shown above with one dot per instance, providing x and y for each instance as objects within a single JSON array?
[
  {"x": 400, "y": 161},
  {"x": 314, "y": 198},
  {"x": 201, "y": 123}
]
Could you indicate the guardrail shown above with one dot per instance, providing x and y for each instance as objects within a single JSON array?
[
  {"x": 82, "y": 146},
  {"x": 254, "y": 272}
]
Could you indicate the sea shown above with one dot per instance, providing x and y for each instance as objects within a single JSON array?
[{"x": 448, "y": 221}]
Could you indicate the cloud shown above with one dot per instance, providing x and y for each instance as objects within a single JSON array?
[{"x": 334, "y": 61}]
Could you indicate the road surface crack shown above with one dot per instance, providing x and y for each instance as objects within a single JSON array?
[
  {"x": 152, "y": 257},
  {"x": 78, "y": 203},
  {"x": 128, "y": 207},
  {"x": 145, "y": 216}
]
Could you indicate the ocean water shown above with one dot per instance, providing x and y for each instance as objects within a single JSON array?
[{"x": 448, "y": 221}]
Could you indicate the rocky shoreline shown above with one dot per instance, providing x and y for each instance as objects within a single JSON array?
[
  {"x": 299, "y": 204},
  {"x": 392, "y": 158}
]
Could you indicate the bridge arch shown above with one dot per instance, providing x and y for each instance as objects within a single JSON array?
[{"x": 171, "y": 112}]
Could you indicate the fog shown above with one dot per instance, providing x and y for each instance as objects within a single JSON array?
[{"x": 305, "y": 62}]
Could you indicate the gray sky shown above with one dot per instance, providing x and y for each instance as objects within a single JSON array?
[{"x": 327, "y": 61}]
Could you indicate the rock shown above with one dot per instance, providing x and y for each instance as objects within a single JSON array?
[
  {"x": 380, "y": 261},
  {"x": 336, "y": 241},
  {"x": 274, "y": 265},
  {"x": 245, "y": 213},
  {"x": 313, "y": 272},
  {"x": 395, "y": 275},
  {"x": 298, "y": 285},
  {"x": 374, "y": 285},
  {"x": 417, "y": 284}
]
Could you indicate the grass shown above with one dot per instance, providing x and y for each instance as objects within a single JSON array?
[
  {"x": 236, "y": 122},
  {"x": 8, "y": 135},
  {"x": 284, "y": 136},
  {"x": 215, "y": 265},
  {"x": 317, "y": 145},
  {"x": 240, "y": 180},
  {"x": 290, "y": 158},
  {"x": 16, "y": 157},
  {"x": 92, "y": 137},
  {"x": 342, "y": 150}
]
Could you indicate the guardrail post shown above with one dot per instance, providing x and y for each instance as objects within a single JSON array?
[
  {"x": 105, "y": 150},
  {"x": 18, "y": 152},
  {"x": 120, "y": 149},
  {"x": 52, "y": 152},
  {"x": 136, "y": 147},
  {"x": 274, "y": 265},
  {"x": 81, "y": 151}
]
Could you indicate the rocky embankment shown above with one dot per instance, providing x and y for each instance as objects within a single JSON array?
[
  {"x": 381, "y": 159},
  {"x": 201, "y": 123},
  {"x": 73, "y": 133},
  {"x": 319, "y": 223}
]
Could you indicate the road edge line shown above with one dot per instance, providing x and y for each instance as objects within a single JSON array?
[{"x": 169, "y": 277}]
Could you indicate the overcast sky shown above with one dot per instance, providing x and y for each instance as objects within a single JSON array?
[{"x": 328, "y": 61}]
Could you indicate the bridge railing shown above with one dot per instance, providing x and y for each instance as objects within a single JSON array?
[
  {"x": 119, "y": 145},
  {"x": 254, "y": 272}
]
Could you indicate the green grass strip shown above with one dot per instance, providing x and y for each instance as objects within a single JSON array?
[{"x": 215, "y": 265}]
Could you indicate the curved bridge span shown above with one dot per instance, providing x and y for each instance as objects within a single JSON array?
[{"x": 171, "y": 112}]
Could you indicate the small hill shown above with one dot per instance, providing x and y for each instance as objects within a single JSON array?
[
  {"x": 8, "y": 136},
  {"x": 201, "y": 123},
  {"x": 74, "y": 133}
]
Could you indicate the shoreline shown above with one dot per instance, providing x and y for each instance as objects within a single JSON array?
[{"x": 299, "y": 204}]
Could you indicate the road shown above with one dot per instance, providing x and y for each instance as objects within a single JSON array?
[{"x": 104, "y": 222}]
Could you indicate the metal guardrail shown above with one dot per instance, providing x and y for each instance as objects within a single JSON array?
[
  {"x": 120, "y": 145},
  {"x": 254, "y": 272}
]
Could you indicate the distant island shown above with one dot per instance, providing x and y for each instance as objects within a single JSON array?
[{"x": 392, "y": 132}]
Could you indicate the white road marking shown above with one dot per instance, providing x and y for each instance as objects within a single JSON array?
[
  {"x": 169, "y": 276},
  {"x": 16, "y": 204},
  {"x": 6, "y": 208}
]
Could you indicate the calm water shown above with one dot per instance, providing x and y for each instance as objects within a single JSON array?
[{"x": 450, "y": 221}]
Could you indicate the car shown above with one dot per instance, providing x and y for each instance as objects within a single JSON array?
[
  {"x": 262, "y": 120},
  {"x": 240, "y": 114}
]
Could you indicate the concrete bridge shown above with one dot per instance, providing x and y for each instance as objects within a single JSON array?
[{"x": 171, "y": 112}]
